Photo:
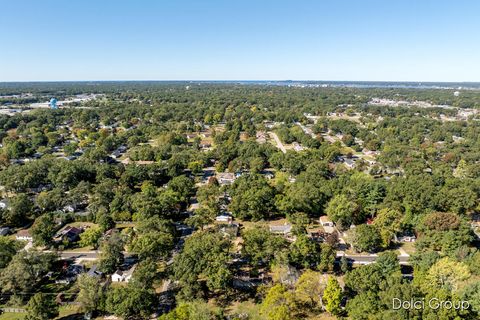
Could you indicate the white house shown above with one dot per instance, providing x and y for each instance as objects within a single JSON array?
[
  {"x": 326, "y": 222},
  {"x": 123, "y": 276},
  {"x": 223, "y": 218}
]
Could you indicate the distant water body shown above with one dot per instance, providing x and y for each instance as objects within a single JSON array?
[
  {"x": 366, "y": 84},
  {"x": 288, "y": 83}
]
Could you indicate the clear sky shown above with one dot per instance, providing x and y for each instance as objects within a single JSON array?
[{"x": 391, "y": 40}]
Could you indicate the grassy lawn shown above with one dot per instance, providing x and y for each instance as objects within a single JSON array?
[
  {"x": 81, "y": 249},
  {"x": 65, "y": 311},
  {"x": 125, "y": 225},
  {"x": 409, "y": 247},
  {"x": 12, "y": 316},
  {"x": 80, "y": 224}
]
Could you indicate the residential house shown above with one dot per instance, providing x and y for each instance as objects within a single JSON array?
[
  {"x": 94, "y": 272},
  {"x": 192, "y": 135},
  {"x": 261, "y": 136},
  {"x": 317, "y": 236},
  {"x": 24, "y": 235},
  {"x": 297, "y": 147},
  {"x": 282, "y": 229},
  {"x": 349, "y": 162},
  {"x": 327, "y": 224},
  {"x": 406, "y": 237},
  {"x": 229, "y": 230},
  {"x": 71, "y": 273},
  {"x": 70, "y": 234},
  {"x": 224, "y": 218},
  {"x": 68, "y": 208},
  {"x": 268, "y": 174},
  {"x": 118, "y": 152},
  {"x": 225, "y": 178},
  {"x": 205, "y": 145},
  {"x": 123, "y": 276}
]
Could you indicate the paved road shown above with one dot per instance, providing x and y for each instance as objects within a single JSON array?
[
  {"x": 356, "y": 259},
  {"x": 367, "y": 259},
  {"x": 94, "y": 254},
  {"x": 279, "y": 143}
]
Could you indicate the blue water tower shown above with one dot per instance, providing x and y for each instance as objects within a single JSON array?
[{"x": 53, "y": 103}]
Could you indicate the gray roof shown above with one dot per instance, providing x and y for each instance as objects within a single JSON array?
[{"x": 281, "y": 229}]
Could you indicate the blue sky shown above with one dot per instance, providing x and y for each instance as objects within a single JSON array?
[{"x": 394, "y": 40}]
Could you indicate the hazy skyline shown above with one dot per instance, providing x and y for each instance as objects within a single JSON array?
[{"x": 57, "y": 40}]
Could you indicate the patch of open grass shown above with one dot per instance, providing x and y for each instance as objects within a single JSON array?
[{"x": 12, "y": 316}]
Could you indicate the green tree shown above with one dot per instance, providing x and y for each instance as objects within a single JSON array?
[
  {"x": 342, "y": 211},
  {"x": 8, "y": 248},
  {"x": 388, "y": 223},
  {"x": 25, "y": 270},
  {"x": 278, "y": 304},
  {"x": 388, "y": 262},
  {"x": 300, "y": 222},
  {"x": 203, "y": 260},
  {"x": 332, "y": 296},
  {"x": 328, "y": 255},
  {"x": 153, "y": 238},
  {"x": 252, "y": 198},
  {"x": 309, "y": 289},
  {"x": 305, "y": 196},
  {"x": 41, "y": 307},
  {"x": 90, "y": 293},
  {"x": 443, "y": 231},
  {"x": 105, "y": 221},
  {"x": 21, "y": 208},
  {"x": 344, "y": 264},
  {"x": 44, "y": 229},
  {"x": 111, "y": 256},
  {"x": 130, "y": 301},
  {"x": 447, "y": 274},
  {"x": 203, "y": 216},
  {"x": 364, "y": 278},
  {"x": 363, "y": 306},
  {"x": 197, "y": 309},
  {"x": 50, "y": 200},
  {"x": 91, "y": 237},
  {"x": 152, "y": 244},
  {"x": 304, "y": 252},
  {"x": 366, "y": 238},
  {"x": 259, "y": 245},
  {"x": 145, "y": 273},
  {"x": 443, "y": 313},
  {"x": 183, "y": 186}
]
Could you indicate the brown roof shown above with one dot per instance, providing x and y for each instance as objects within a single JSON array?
[{"x": 23, "y": 233}]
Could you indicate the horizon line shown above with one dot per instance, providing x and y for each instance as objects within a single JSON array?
[{"x": 237, "y": 80}]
